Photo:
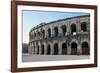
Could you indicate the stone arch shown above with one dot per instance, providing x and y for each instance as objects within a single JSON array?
[
  {"x": 84, "y": 26},
  {"x": 85, "y": 40},
  {"x": 73, "y": 28},
  {"x": 74, "y": 40},
  {"x": 48, "y": 49},
  {"x": 74, "y": 47},
  {"x": 85, "y": 47},
  {"x": 56, "y": 49},
  {"x": 64, "y": 48},
  {"x": 56, "y": 31},
  {"x": 38, "y": 33},
  {"x": 63, "y": 27},
  {"x": 34, "y": 34},
  {"x": 49, "y": 32}
]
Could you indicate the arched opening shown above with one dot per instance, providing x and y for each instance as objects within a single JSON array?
[
  {"x": 56, "y": 31},
  {"x": 64, "y": 48},
  {"x": 37, "y": 49},
  {"x": 42, "y": 51},
  {"x": 84, "y": 26},
  {"x": 48, "y": 49},
  {"x": 73, "y": 28},
  {"x": 34, "y": 34},
  {"x": 43, "y": 33},
  {"x": 74, "y": 48},
  {"x": 49, "y": 32},
  {"x": 64, "y": 30},
  {"x": 85, "y": 48},
  {"x": 38, "y": 33},
  {"x": 55, "y": 49}
]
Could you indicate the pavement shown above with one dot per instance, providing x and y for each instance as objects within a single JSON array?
[{"x": 39, "y": 58}]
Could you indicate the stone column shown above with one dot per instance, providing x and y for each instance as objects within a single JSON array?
[
  {"x": 46, "y": 33},
  {"x": 52, "y": 31},
  {"x": 32, "y": 50},
  {"x": 79, "y": 50},
  {"x": 39, "y": 48},
  {"x": 52, "y": 49},
  {"x": 79, "y": 25},
  {"x": 45, "y": 48},
  {"x": 35, "y": 48},
  {"x": 69, "y": 49},
  {"x": 59, "y": 31},
  {"x": 36, "y": 34},
  {"x": 68, "y": 27},
  {"x": 60, "y": 47},
  {"x": 88, "y": 24}
]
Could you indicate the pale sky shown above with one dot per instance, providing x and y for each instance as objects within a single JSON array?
[{"x": 32, "y": 18}]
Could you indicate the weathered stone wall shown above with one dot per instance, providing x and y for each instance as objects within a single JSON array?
[{"x": 69, "y": 31}]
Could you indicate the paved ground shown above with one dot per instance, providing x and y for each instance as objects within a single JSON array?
[{"x": 34, "y": 58}]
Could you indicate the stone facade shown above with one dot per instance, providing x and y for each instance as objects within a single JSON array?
[{"x": 62, "y": 37}]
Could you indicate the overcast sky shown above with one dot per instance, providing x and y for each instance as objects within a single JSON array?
[{"x": 33, "y": 18}]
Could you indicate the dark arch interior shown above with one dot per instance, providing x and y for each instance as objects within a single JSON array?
[
  {"x": 49, "y": 32},
  {"x": 64, "y": 30},
  {"x": 56, "y": 31},
  {"x": 73, "y": 28},
  {"x": 74, "y": 45},
  {"x": 85, "y": 48},
  {"x": 38, "y": 33},
  {"x": 55, "y": 49},
  {"x": 42, "y": 49},
  {"x": 38, "y": 49},
  {"x": 85, "y": 45},
  {"x": 64, "y": 48},
  {"x": 84, "y": 26},
  {"x": 74, "y": 48},
  {"x": 43, "y": 32},
  {"x": 34, "y": 34},
  {"x": 48, "y": 49}
]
